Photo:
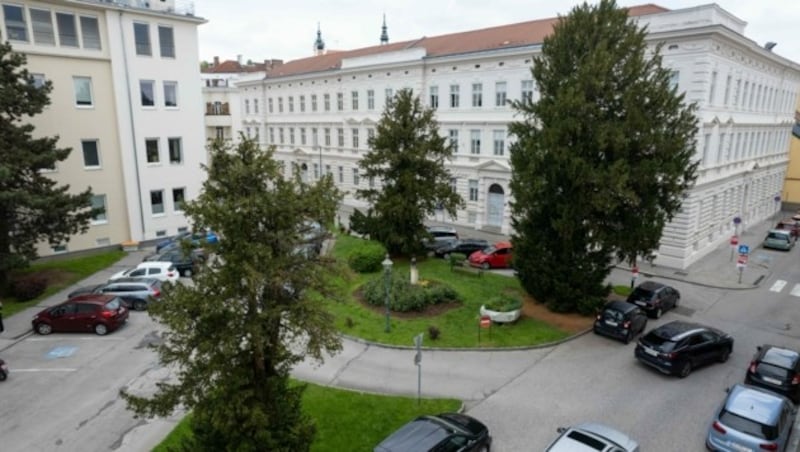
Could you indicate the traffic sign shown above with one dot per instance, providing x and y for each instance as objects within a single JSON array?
[
  {"x": 744, "y": 249},
  {"x": 486, "y": 321},
  {"x": 734, "y": 240}
]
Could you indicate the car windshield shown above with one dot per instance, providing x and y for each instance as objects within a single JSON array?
[
  {"x": 770, "y": 370},
  {"x": 112, "y": 305},
  {"x": 612, "y": 315},
  {"x": 489, "y": 250},
  {"x": 642, "y": 294},
  {"x": 777, "y": 236},
  {"x": 128, "y": 271},
  {"x": 780, "y": 357},
  {"x": 583, "y": 438},
  {"x": 748, "y": 426},
  {"x": 663, "y": 344}
]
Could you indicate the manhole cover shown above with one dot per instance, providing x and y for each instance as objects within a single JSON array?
[{"x": 684, "y": 311}]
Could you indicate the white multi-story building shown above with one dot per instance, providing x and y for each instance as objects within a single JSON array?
[
  {"x": 321, "y": 110},
  {"x": 125, "y": 99}
]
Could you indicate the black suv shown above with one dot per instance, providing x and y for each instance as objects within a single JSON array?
[
  {"x": 461, "y": 246},
  {"x": 135, "y": 293},
  {"x": 621, "y": 320},
  {"x": 676, "y": 348},
  {"x": 186, "y": 263},
  {"x": 655, "y": 298},
  {"x": 443, "y": 432},
  {"x": 776, "y": 369}
]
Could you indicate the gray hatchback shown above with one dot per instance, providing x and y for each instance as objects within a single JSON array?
[{"x": 751, "y": 419}]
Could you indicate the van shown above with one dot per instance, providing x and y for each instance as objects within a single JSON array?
[
  {"x": 163, "y": 271},
  {"x": 441, "y": 235},
  {"x": 779, "y": 239}
]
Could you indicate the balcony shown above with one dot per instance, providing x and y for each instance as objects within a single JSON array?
[
  {"x": 181, "y": 7},
  {"x": 218, "y": 109}
]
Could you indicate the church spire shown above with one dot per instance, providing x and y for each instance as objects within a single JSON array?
[
  {"x": 384, "y": 33},
  {"x": 319, "y": 44}
]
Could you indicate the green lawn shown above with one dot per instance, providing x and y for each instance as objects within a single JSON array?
[
  {"x": 347, "y": 420},
  {"x": 458, "y": 327},
  {"x": 63, "y": 273}
]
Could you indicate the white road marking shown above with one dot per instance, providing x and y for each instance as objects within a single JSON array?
[
  {"x": 796, "y": 290},
  {"x": 778, "y": 286},
  {"x": 53, "y": 369}
]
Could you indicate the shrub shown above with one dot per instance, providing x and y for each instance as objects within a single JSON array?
[
  {"x": 367, "y": 258},
  {"x": 404, "y": 296},
  {"x": 433, "y": 333},
  {"x": 440, "y": 293},
  {"x": 590, "y": 305},
  {"x": 457, "y": 258},
  {"x": 503, "y": 303},
  {"x": 28, "y": 287}
]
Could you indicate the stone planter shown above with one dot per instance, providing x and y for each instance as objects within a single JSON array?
[{"x": 501, "y": 316}]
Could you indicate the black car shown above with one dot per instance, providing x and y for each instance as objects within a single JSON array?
[
  {"x": 621, "y": 320},
  {"x": 443, "y": 432},
  {"x": 186, "y": 263},
  {"x": 461, "y": 246},
  {"x": 676, "y": 348},
  {"x": 776, "y": 369},
  {"x": 655, "y": 298}
]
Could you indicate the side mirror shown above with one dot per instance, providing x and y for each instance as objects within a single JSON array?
[
  {"x": 561, "y": 429},
  {"x": 728, "y": 389}
]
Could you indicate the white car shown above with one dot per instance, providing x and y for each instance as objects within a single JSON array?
[
  {"x": 163, "y": 271},
  {"x": 592, "y": 437}
]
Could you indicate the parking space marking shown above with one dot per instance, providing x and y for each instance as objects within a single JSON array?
[
  {"x": 796, "y": 290},
  {"x": 55, "y": 369},
  {"x": 61, "y": 352},
  {"x": 778, "y": 286}
]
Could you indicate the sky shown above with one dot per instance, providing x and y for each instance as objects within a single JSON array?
[{"x": 286, "y": 29}]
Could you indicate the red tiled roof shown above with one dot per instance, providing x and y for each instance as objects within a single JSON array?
[
  {"x": 513, "y": 35},
  {"x": 233, "y": 67}
]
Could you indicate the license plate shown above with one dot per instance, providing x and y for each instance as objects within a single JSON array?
[
  {"x": 650, "y": 351},
  {"x": 772, "y": 380},
  {"x": 641, "y": 303},
  {"x": 739, "y": 447},
  {"x": 611, "y": 323}
]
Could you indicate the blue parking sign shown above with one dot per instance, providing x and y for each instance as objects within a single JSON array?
[{"x": 744, "y": 249}]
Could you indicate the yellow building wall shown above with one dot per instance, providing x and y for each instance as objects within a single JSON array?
[{"x": 791, "y": 186}]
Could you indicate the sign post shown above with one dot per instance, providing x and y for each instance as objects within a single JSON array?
[
  {"x": 418, "y": 363},
  {"x": 741, "y": 262},
  {"x": 736, "y": 222},
  {"x": 634, "y": 275},
  {"x": 734, "y": 243}
]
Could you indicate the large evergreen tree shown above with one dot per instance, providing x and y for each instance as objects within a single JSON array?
[
  {"x": 32, "y": 206},
  {"x": 408, "y": 156},
  {"x": 601, "y": 160},
  {"x": 254, "y": 312}
]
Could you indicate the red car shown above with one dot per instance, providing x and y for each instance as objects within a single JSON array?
[
  {"x": 497, "y": 256},
  {"x": 85, "y": 313}
]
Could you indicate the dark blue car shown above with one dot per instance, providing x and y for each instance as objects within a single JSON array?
[{"x": 197, "y": 238}]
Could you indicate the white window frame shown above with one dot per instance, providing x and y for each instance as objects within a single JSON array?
[
  {"x": 176, "y": 205},
  {"x": 143, "y": 48},
  {"x": 153, "y": 205},
  {"x": 75, "y": 80},
  {"x": 170, "y": 85},
  {"x": 142, "y": 85},
  {"x": 43, "y": 32},
  {"x": 101, "y": 218},
  {"x": 170, "y": 149},
  {"x": 97, "y": 152},
  {"x": 147, "y": 142},
  {"x": 170, "y": 53},
  {"x": 72, "y": 41}
]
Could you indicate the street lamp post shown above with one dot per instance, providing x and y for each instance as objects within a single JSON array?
[{"x": 387, "y": 276}]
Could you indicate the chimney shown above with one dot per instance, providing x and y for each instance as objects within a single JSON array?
[{"x": 216, "y": 61}]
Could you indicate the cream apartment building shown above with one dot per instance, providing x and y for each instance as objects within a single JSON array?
[
  {"x": 125, "y": 99},
  {"x": 321, "y": 110}
]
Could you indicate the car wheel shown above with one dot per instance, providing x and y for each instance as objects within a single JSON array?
[
  {"x": 658, "y": 313},
  {"x": 44, "y": 329},
  {"x": 139, "y": 305},
  {"x": 100, "y": 329},
  {"x": 485, "y": 266},
  {"x": 3, "y": 376},
  {"x": 686, "y": 369},
  {"x": 677, "y": 302},
  {"x": 724, "y": 355},
  {"x": 187, "y": 273}
]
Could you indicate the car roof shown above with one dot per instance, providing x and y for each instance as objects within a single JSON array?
[
  {"x": 147, "y": 264},
  {"x": 753, "y": 403},
  {"x": 621, "y": 306},
  {"x": 93, "y": 298},
  {"x": 127, "y": 280},
  {"x": 779, "y": 356},
  {"x": 501, "y": 245},
  {"x": 420, "y": 434},
  {"x": 779, "y": 231},
  {"x": 677, "y": 330},
  {"x": 441, "y": 228},
  {"x": 570, "y": 441},
  {"x": 651, "y": 285}
]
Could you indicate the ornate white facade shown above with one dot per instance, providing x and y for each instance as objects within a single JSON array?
[{"x": 319, "y": 112}]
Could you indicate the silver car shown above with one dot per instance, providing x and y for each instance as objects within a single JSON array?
[
  {"x": 751, "y": 419},
  {"x": 592, "y": 437}
]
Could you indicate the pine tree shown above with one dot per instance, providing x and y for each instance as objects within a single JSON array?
[
  {"x": 253, "y": 313},
  {"x": 602, "y": 159},
  {"x": 33, "y": 207},
  {"x": 408, "y": 156}
]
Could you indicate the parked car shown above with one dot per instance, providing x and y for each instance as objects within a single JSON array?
[
  {"x": 96, "y": 313},
  {"x": 197, "y": 239},
  {"x": 95, "y": 288},
  {"x": 790, "y": 224},
  {"x": 676, "y": 348},
  {"x": 163, "y": 271},
  {"x": 440, "y": 236},
  {"x": 655, "y": 298},
  {"x": 592, "y": 437},
  {"x": 184, "y": 262},
  {"x": 135, "y": 293},
  {"x": 497, "y": 256},
  {"x": 312, "y": 237},
  {"x": 442, "y": 432},
  {"x": 776, "y": 369},
  {"x": 779, "y": 239},
  {"x": 461, "y": 246},
  {"x": 752, "y": 419},
  {"x": 621, "y": 320}
]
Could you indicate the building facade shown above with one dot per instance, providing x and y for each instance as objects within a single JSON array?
[
  {"x": 791, "y": 187},
  {"x": 320, "y": 111},
  {"x": 125, "y": 99}
]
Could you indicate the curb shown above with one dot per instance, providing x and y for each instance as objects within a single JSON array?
[{"x": 755, "y": 285}]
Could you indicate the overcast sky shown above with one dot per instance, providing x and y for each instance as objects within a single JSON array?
[{"x": 286, "y": 29}]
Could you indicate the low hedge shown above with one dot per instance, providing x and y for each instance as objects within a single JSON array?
[
  {"x": 503, "y": 303},
  {"x": 403, "y": 296},
  {"x": 367, "y": 258}
]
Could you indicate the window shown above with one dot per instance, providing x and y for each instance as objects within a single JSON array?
[
  {"x": 99, "y": 202},
  {"x": 313, "y": 102},
  {"x": 327, "y": 102},
  {"x": 341, "y": 174},
  {"x": 151, "y": 150},
  {"x": 141, "y": 36},
  {"x": 500, "y": 94},
  {"x": 473, "y": 190},
  {"x": 475, "y": 142},
  {"x": 60, "y": 249},
  {"x": 454, "y": 184},
  {"x": 42, "y": 24},
  {"x": 434, "y": 96},
  {"x": 356, "y": 177},
  {"x": 16, "y": 29},
  {"x": 170, "y": 94},
  {"x": 290, "y": 101},
  {"x": 706, "y": 146},
  {"x": 38, "y": 80},
  {"x": 738, "y": 92},
  {"x": 272, "y": 135},
  {"x": 175, "y": 151},
  {"x": 526, "y": 88},
  {"x": 67, "y": 30},
  {"x": 166, "y": 41},
  {"x": 327, "y": 136},
  {"x": 291, "y": 135},
  {"x": 91, "y": 156},
  {"x": 354, "y": 97},
  {"x": 314, "y": 136},
  {"x": 303, "y": 135},
  {"x": 454, "y": 96},
  {"x": 220, "y": 133},
  {"x": 674, "y": 78},
  {"x": 355, "y": 138},
  {"x": 340, "y": 135},
  {"x": 454, "y": 139},
  {"x": 247, "y": 106},
  {"x": 370, "y": 99},
  {"x": 389, "y": 94},
  {"x": 269, "y": 104},
  {"x": 302, "y": 104},
  {"x": 316, "y": 171},
  {"x": 178, "y": 198},
  {"x": 161, "y": 233},
  {"x": 90, "y": 32},
  {"x": 477, "y": 95},
  {"x": 499, "y": 142},
  {"x": 339, "y": 101},
  {"x": 712, "y": 88},
  {"x": 157, "y": 202},
  {"x": 280, "y": 134},
  {"x": 727, "y": 90},
  {"x": 146, "y": 89},
  {"x": 83, "y": 91},
  {"x": 280, "y": 105},
  {"x": 370, "y": 135}
]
